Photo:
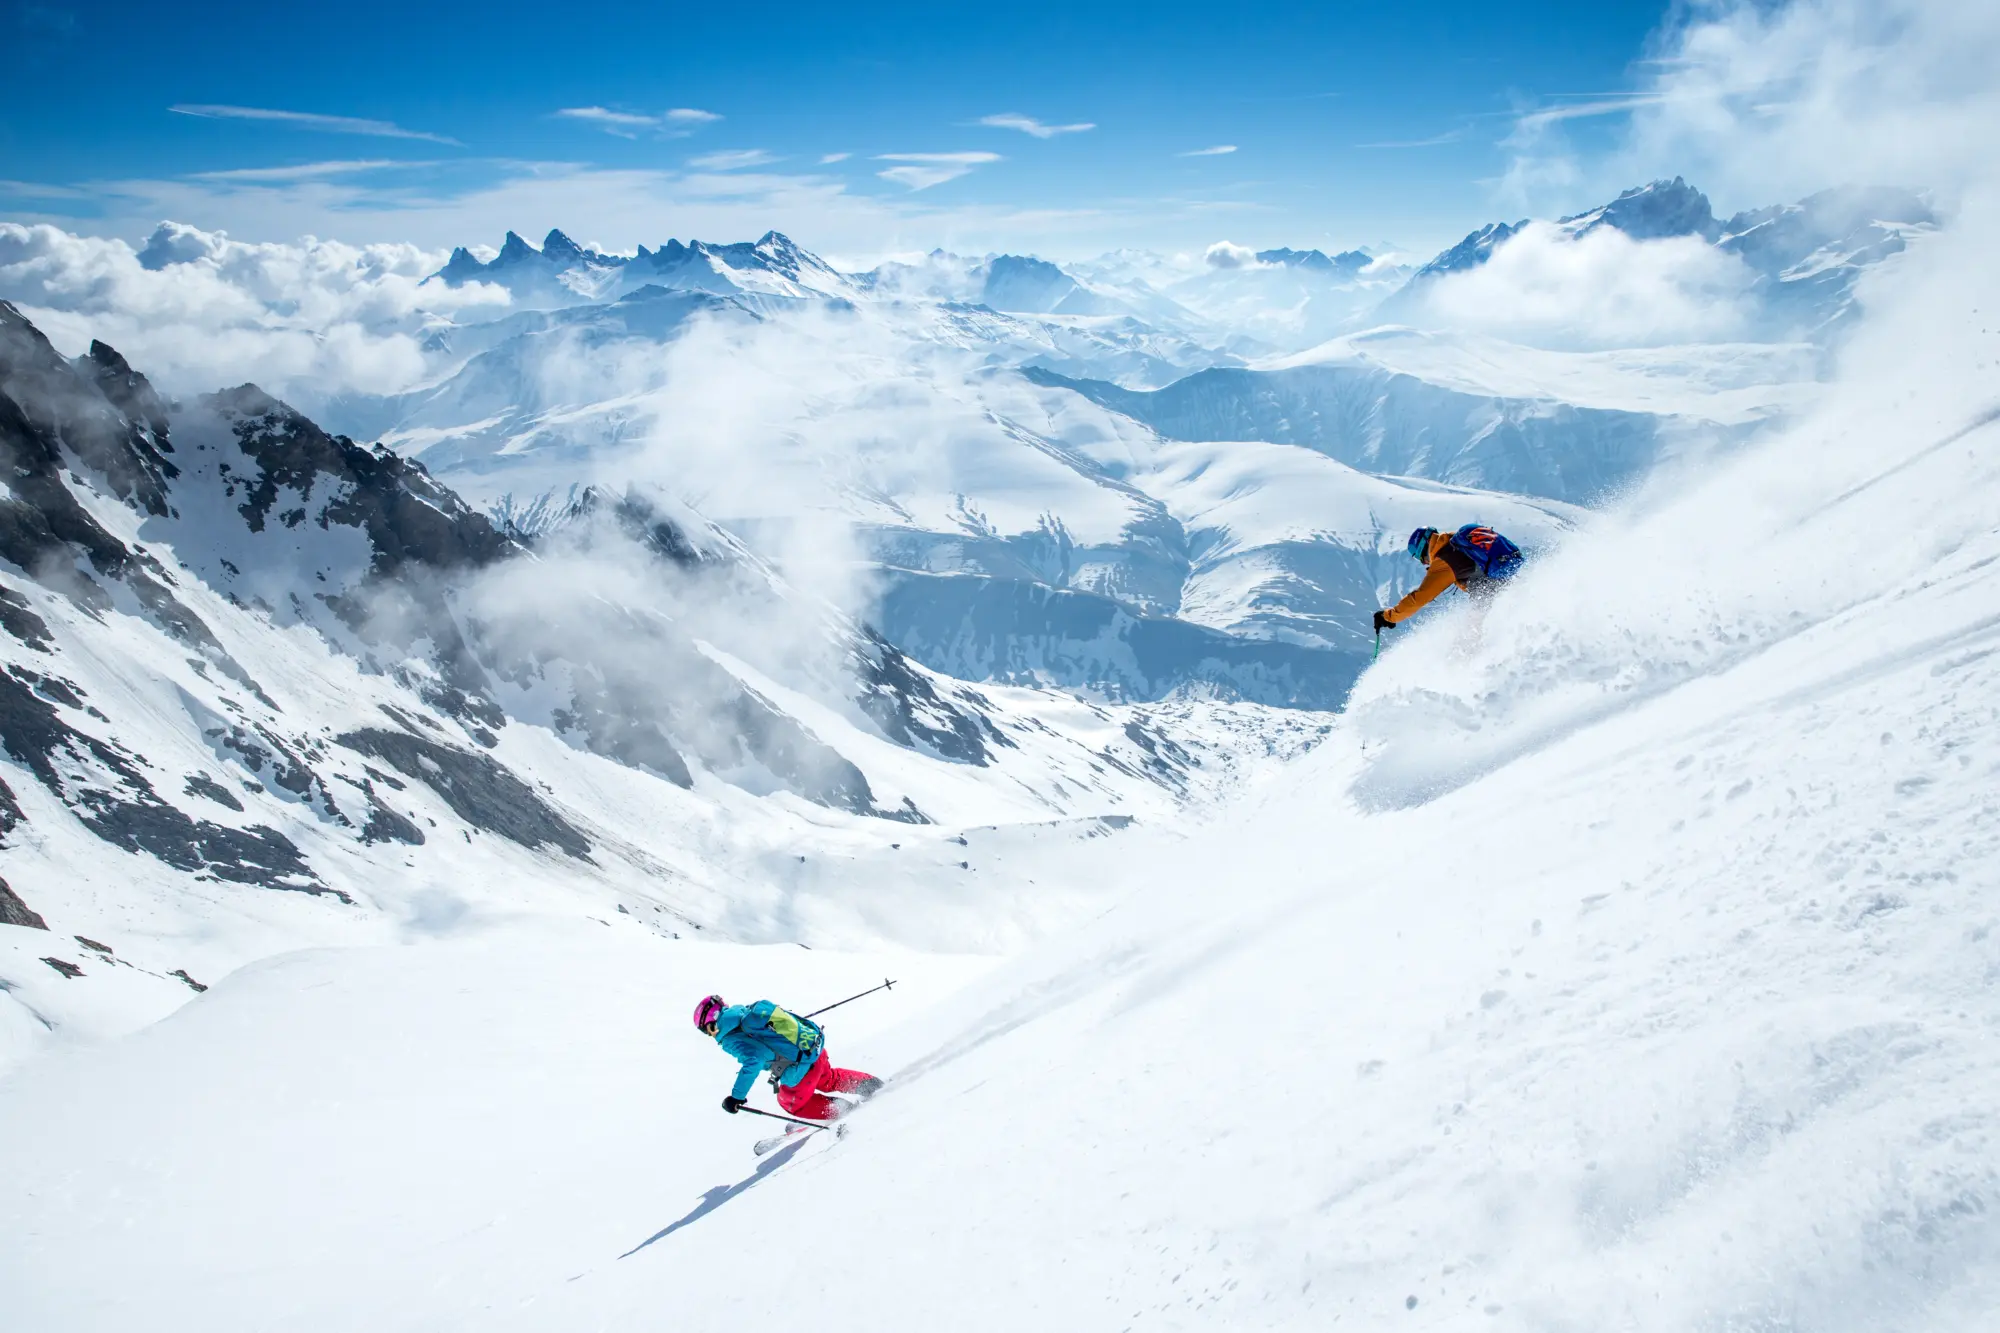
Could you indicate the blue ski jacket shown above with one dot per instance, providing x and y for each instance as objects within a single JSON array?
[{"x": 762, "y": 1036}]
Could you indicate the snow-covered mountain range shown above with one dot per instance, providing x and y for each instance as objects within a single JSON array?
[{"x": 1057, "y": 525}]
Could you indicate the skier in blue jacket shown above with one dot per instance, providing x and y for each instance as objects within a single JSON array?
[{"x": 762, "y": 1036}]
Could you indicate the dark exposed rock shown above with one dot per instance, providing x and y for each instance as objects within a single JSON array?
[
  {"x": 70, "y": 406},
  {"x": 419, "y": 532},
  {"x": 478, "y": 789},
  {"x": 53, "y": 688},
  {"x": 1167, "y": 761},
  {"x": 193, "y": 985},
  {"x": 10, "y": 811},
  {"x": 910, "y": 712},
  {"x": 70, "y": 970},
  {"x": 129, "y": 391},
  {"x": 385, "y": 825},
  {"x": 40, "y": 521},
  {"x": 48, "y": 405},
  {"x": 474, "y": 711},
  {"x": 92, "y": 945},
  {"x": 289, "y": 770},
  {"x": 651, "y": 529},
  {"x": 103, "y": 786},
  {"x": 409, "y": 518},
  {"x": 200, "y": 784},
  {"x": 19, "y": 620},
  {"x": 14, "y": 912},
  {"x": 387, "y": 780}
]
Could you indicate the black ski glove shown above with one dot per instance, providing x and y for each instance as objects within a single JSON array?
[
  {"x": 1383, "y": 622},
  {"x": 733, "y": 1104}
]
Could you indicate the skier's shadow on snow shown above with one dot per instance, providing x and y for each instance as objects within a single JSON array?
[{"x": 722, "y": 1194}]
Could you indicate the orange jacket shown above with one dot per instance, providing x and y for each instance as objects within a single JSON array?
[{"x": 1440, "y": 573}]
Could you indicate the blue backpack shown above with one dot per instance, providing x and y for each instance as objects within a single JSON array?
[{"x": 1491, "y": 554}]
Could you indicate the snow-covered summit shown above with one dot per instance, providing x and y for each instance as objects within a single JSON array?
[
  {"x": 1802, "y": 259},
  {"x": 562, "y": 272},
  {"x": 1649, "y": 212},
  {"x": 1347, "y": 261}
]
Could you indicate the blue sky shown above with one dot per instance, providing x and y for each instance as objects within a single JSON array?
[{"x": 1065, "y": 129}]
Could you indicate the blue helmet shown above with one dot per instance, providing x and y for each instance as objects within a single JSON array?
[{"x": 1420, "y": 543}]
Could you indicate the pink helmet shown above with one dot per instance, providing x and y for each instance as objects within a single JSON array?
[{"x": 708, "y": 1010}]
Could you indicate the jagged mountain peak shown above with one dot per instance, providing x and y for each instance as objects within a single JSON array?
[
  {"x": 560, "y": 248},
  {"x": 1474, "y": 250},
  {"x": 1347, "y": 262},
  {"x": 563, "y": 272},
  {"x": 1658, "y": 209}
]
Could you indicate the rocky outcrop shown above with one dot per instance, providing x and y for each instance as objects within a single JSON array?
[
  {"x": 102, "y": 783},
  {"x": 14, "y": 912},
  {"x": 478, "y": 790}
]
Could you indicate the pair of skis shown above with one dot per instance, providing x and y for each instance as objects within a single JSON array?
[
  {"x": 796, "y": 1130},
  {"x": 795, "y": 1134}
]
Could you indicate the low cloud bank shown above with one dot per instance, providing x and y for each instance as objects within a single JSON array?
[
  {"x": 1601, "y": 289},
  {"x": 200, "y": 310}
]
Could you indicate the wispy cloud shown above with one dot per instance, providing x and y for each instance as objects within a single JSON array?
[
  {"x": 675, "y": 123},
  {"x": 732, "y": 159},
  {"x": 41, "y": 190},
  {"x": 307, "y": 170},
  {"x": 828, "y": 159},
  {"x": 1216, "y": 151},
  {"x": 1449, "y": 136},
  {"x": 308, "y": 120},
  {"x": 927, "y": 169},
  {"x": 1532, "y": 121},
  {"x": 1014, "y": 120}
]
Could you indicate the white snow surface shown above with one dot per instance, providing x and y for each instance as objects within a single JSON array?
[
  {"x": 1727, "y": 383},
  {"x": 1627, "y": 964}
]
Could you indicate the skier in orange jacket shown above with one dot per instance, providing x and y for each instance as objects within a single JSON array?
[{"x": 1474, "y": 558}]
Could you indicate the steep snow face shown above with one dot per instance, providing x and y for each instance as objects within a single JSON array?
[{"x": 1542, "y": 996}]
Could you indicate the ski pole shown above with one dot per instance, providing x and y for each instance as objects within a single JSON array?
[
  {"x": 886, "y": 984},
  {"x": 773, "y": 1115},
  {"x": 1378, "y": 645}
]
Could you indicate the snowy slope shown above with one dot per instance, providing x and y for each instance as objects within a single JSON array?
[
  {"x": 1631, "y": 969},
  {"x": 1725, "y": 383},
  {"x": 264, "y": 688}
]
